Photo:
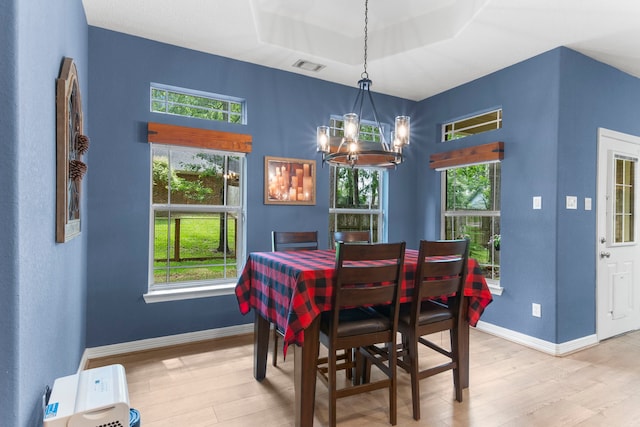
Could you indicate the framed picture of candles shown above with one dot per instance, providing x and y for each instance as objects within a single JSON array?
[{"x": 289, "y": 181}]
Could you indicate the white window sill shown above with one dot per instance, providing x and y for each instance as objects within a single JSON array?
[
  {"x": 494, "y": 287},
  {"x": 189, "y": 293}
]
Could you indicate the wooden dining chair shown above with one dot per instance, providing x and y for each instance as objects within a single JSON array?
[
  {"x": 290, "y": 241},
  {"x": 351, "y": 237},
  {"x": 294, "y": 240},
  {"x": 352, "y": 323},
  {"x": 441, "y": 270}
]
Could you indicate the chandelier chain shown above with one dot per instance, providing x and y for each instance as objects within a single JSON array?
[
  {"x": 365, "y": 74},
  {"x": 348, "y": 149}
]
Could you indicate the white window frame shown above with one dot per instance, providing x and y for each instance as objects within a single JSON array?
[
  {"x": 380, "y": 211},
  {"x": 201, "y": 94},
  {"x": 471, "y": 129},
  {"x": 494, "y": 285},
  {"x": 206, "y": 288}
]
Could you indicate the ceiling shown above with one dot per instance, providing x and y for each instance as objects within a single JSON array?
[{"x": 416, "y": 48}]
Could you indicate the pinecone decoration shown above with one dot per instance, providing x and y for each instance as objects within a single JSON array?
[
  {"x": 77, "y": 169},
  {"x": 82, "y": 143}
]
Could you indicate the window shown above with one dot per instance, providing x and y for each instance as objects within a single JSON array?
[
  {"x": 356, "y": 193},
  {"x": 192, "y": 103},
  {"x": 472, "y": 125},
  {"x": 624, "y": 199},
  {"x": 471, "y": 208},
  {"x": 196, "y": 217}
]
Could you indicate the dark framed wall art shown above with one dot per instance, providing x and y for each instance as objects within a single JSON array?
[
  {"x": 71, "y": 144},
  {"x": 289, "y": 181}
]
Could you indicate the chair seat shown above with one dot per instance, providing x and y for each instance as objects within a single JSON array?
[
  {"x": 356, "y": 321},
  {"x": 430, "y": 312}
]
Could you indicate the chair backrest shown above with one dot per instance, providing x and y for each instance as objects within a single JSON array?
[
  {"x": 351, "y": 237},
  {"x": 294, "y": 240},
  {"x": 368, "y": 274},
  {"x": 441, "y": 270}
]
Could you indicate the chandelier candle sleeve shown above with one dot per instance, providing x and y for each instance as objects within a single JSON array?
[
  {"x": 351, "y": 127},
  {"x": 403, "y": 130},
  {"x": 323, "y": 139}
]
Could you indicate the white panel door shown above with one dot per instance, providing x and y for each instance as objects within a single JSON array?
[{"x": 618, "y": 252}]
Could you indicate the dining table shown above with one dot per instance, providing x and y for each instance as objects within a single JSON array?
[{"x": 291, "y": 289}]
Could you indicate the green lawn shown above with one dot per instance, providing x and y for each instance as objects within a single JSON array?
[{"x": 202, "y": 257}]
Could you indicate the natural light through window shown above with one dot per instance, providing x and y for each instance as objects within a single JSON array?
[
  {"x": 192, "y": 103},
  {"x": 196, "y": 217},
  {"x": 356, "y": 193},
  {"x": 471, "y": 209},
  {"x": 472, "y": 125}
]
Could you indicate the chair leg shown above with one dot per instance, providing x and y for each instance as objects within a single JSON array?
[
  {"x": 332, "y": 362},
  {"x": 412, "y": 355},
  {"x": 274, "y": 361},
  {"x": 405, "y": 346},
  {"x": 393, "y": 388},
  {"x": 363, "y": 368},
  {"x": 455, "y": 352},
  {"x": 457, "y": 384}
]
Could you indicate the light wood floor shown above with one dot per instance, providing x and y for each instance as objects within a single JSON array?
[{"x": 211, "y": 384}]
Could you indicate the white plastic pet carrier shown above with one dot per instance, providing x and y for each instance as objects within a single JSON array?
[{"x": 93, "y": 398}]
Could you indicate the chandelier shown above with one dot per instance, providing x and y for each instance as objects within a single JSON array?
[{"x": 349, "y": 149}]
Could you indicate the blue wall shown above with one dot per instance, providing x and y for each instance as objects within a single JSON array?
[
  {"x": 552, "y": 103},
  {"x": 528, "y": 94},
  {"x": 283, "y": 111},
  {"x": 9, "y": 214},
  {"x": 43, "y": 283},
  {"x": 552, "y": 106},
  {"x": 592, "y": 95}
]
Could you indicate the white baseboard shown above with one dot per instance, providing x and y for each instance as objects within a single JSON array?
[
  {"x": 152, "y": 343},
  {"x": 561, "y": 349}
]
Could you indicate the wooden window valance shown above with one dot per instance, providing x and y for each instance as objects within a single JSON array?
[
  {"x": 200, "y": 138},
  {"x": 491, "y": 152}
]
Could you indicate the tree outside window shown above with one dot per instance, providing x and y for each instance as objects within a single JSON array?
[
  {"x": 355, "y": 201},
  {"x": 355, "y": 193},
  {"x": 196, "y": 211},
  {"x": 471, "y": 209}
]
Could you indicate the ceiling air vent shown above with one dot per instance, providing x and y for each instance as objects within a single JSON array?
[{"x": 308, "y": 66}]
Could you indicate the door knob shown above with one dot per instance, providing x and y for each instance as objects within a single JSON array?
[{"x": 605, "y": 254}]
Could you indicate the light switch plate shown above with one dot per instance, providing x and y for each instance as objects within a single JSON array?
[
  {"x": 536, "y": 310},
  {"x": 537, "y": 202},
  {"x": 572, "y": 202},
  {"x": 587, "y": 203}
]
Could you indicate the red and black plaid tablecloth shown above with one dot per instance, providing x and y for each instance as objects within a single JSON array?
[{"x": 291, "y": 289}]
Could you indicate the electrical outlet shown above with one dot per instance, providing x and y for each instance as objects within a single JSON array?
[{"x": 536, "y": 310}]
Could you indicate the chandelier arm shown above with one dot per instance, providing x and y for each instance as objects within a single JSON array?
[
  {"x": 384, "y": 143},
  {"x": 357, "y": 103}
]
